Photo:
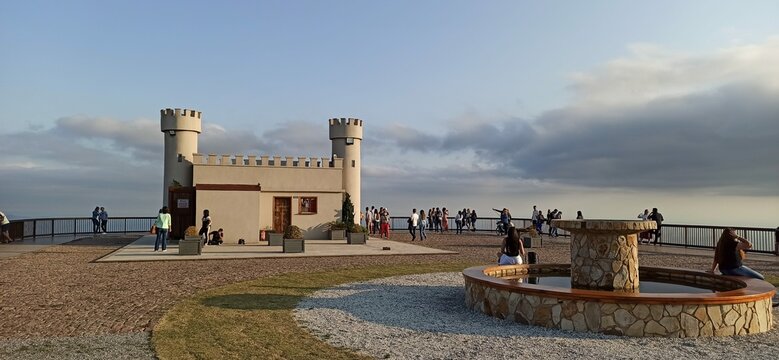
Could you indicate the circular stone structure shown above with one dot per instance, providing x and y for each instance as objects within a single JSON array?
[
  {"x": 605, "y": 296},
  {"x": 604, "y": 253},
  {"x": 736, "y": 306}
]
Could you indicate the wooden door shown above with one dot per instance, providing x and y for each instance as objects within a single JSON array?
[
  {"x": 282, "y": 213},
  {"x": 181, "y": 204}
]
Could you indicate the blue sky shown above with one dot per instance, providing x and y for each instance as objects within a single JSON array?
[{"x": 420, "y": 73}]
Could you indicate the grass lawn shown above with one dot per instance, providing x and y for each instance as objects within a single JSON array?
[
  {"x": 773, "y": 279},
  {"x": 253, "y": 319}
]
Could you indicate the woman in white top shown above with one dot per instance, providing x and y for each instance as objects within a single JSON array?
[{"x": 644, "y": 235}]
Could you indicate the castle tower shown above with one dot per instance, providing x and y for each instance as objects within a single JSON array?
[
  {"x": 346, "y": 135},
  {"x": 181, "y": 128}
]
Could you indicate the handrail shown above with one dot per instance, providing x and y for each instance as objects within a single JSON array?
[
  {"x": 51, "y": 226},
  {"x": 764, "y": 240}
]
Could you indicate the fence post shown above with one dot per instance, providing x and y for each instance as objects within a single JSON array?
[
  {"x": 776, "y": 241},
  {"x": 685, "y": 236},
  {"x": 52, "y": 227},
  {"x": 74, "y": 226}
]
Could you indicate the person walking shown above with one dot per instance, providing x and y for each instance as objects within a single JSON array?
[
  {"x": 5, "y": 229},
  {"x": 163, "y": 223},
  {"x": 103, "y": 216},
  {"x": 657, "y": 217},
  {"x": 96, "y": 220},
  {"x": 413, "y": 222},
  {"x": 422, "y": 225}
]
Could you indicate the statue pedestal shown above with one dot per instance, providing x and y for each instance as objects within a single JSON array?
[{"x": 604, "y": 253}]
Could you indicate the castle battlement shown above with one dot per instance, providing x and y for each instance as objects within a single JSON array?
[
  {"x": 341, "y": 128},
  {"x": 345, "y": 121},
  {"x": 268, "y": 161},
  {"x": 181, "y": 112}
]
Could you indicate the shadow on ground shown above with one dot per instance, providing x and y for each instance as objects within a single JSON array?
[{"x": 252, "y": 301}]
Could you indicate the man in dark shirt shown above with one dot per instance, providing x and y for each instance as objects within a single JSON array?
[
  {"x": 658, "y": 218},
  {"x": 217, "y": 237}
]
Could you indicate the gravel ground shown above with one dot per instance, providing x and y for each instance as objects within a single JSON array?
[
  {"x": 424, "y": 317},
  {"x": 118, "y": 347},
  {"x": 58, "y": 295}
]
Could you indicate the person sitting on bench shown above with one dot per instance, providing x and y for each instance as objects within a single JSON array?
[{"x": 217, "y": 237}]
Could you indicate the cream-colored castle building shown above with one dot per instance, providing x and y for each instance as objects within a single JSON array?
[{"x": 248, "y": 194}]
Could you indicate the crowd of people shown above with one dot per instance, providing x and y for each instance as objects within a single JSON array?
[{"x": 376, "y": 221}]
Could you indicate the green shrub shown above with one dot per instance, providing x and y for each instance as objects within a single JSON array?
[
  {"x": 336, "y": 225},
  {"x": 357, "y": 228},
  {"x": 293, "y": 232}
]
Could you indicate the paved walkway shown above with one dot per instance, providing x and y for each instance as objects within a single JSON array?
[{"x": 143, "y": 250}]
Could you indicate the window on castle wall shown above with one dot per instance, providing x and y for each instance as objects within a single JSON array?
[
  {"x": 307, "y": 205},
  {"x": 353, "y": 162}
]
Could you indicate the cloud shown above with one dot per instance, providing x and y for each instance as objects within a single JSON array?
[
  {"x": 82, "y": 161},
  {"x": 652, "y": 120}
]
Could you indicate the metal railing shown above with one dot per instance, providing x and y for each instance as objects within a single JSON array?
[
  {"x": 764, "y": 240},
  {"x": 485, "y": 224},
  {"x": 26, "y": 228}
]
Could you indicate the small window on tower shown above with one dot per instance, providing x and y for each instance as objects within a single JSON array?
[
  {"x": 353, "y": 162},
  {"x": 181, "y": 158},
  {"x": 349, "y": 141}
]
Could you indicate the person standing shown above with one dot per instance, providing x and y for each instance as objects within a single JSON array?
[
  {"x": 540, "y": 223},
  {"x": 534, "y": 218},
  {"x": 5, "y": 229},
  {"x": 445, "y": 220},
  {"x": 549, "y": 218},
  {"x": 473, "y": 220},
  {"x": 368, "y": 219},
  {"x": 644, "y": 235},
  {"x": 163, "y": 223},
  {"x": 579, "y": 215},
  {"x": 458, "y": 221},
  {"x": 103, "y": 216},
  {"x": 205, "y": 226},
  {"x": 422, "y": 225},
  {"x": 657, "y": 217},
  {"x": 96, "y": 220},
  {"x": 413, "y": 222},
  {"x": 376, "y": 223},
  {"x": 384, "y": 220}
]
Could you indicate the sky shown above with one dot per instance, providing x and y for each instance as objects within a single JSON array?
[{"x": 600, "y": 106}]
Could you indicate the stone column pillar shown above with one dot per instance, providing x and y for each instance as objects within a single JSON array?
[{"x": 604, "y": 253}]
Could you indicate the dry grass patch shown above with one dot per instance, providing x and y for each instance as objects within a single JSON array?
[{"x": 253, "y": 319}]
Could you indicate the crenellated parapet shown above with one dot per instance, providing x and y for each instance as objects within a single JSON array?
[
  {"x": 345, "y": 128},
  {"x": 268, "y": 161},
  {"x": 180, "y": 120}
]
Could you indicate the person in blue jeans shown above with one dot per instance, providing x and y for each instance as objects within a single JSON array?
[
  {"x": 730, "y": 252},
  {"x": 422, "y": 225},
  {"x": 163, "y": 223},
  {"x": 96, "y": 220}
]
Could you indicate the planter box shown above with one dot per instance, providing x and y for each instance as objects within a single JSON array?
[
  {"x": 190, "y": 246},
  {"x": 294, "y": 245},
  {"x": 337, "y": 234},
  {"x": 275, "y": 239},
  {"x": 356, "y": 238}
]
